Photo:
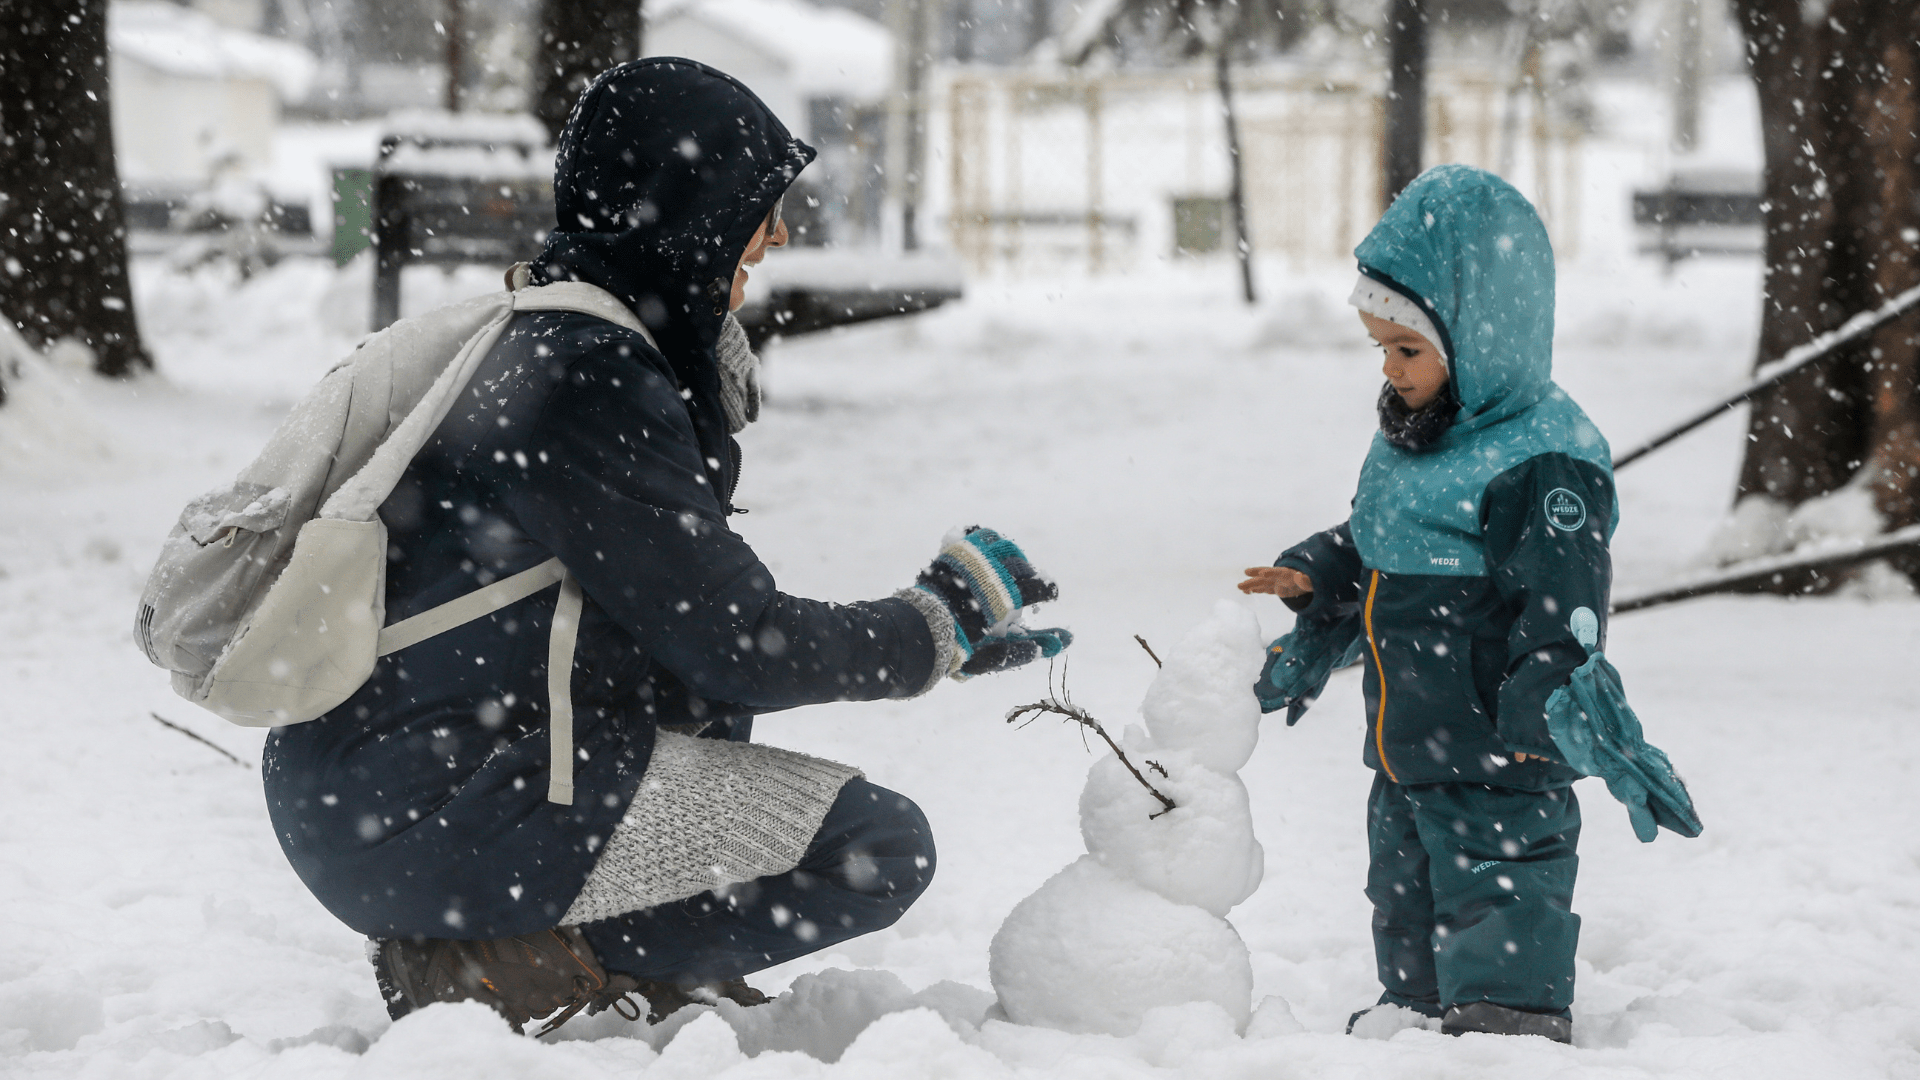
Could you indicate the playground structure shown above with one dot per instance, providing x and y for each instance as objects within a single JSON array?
[{"x": 1098, "y": 170}]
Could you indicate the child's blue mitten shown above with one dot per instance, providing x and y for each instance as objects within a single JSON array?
[
  {"x": 1632, "y": 794},
  {"x": 1599, "y": 735},
  {"x": 1300, "y": 663}
]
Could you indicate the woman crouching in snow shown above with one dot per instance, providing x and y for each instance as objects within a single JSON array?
[
  {"x": 1472, "y": 581},
  {"x": 419, "y": 811}
]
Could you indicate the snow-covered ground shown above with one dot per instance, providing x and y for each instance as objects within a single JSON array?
[{"x": 1144, "y": 438}]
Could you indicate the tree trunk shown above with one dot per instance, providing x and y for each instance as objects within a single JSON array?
[
  {"x": 578, "y": 40},
  {"x": 964, "y": 19},
  {"x": 914, "y": 62},
  {"x": 1038, "y": 24},
  {"x": 1888, "y": 113},
  {"x": 455, "y": 29},
  {"x": 1406, "y": 96},
  {"x": 1839, "y": 112},
  {"x": 1237, "y": 186},
  {"x": 1793, "y": 429},
  {"x": 65, "y": 268}
]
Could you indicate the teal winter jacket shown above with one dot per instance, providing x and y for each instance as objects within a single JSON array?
[{"x": 1474, "y": 571}]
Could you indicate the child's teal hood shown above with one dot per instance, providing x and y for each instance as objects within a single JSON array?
[
  {"x": 1470, "y": 247},
  {"x": 1472, "y": 251}
]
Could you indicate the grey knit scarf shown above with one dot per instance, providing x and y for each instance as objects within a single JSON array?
[
  {"x": 739, "y": 376},
  {"x": 1416, "y": 429}
]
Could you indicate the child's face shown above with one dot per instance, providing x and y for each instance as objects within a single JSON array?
[{"x": 1413, "y": 365}]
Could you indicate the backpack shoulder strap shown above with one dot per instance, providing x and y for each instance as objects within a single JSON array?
[
  {"x": 584, "y": 298},
  {"x": 452, "y": 354},
  {"x": 371, "y": 485},
  {"x": 577, "y": 296}
]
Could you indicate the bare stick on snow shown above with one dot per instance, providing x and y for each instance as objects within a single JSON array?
[
  {"x": 1062, "y": 705},
  {"x": 1777, "y": 372},
  {"x": 1832, "y": 557},
  {"x": 164, "y": 722},
  {"x": 1150, "y": 652}
]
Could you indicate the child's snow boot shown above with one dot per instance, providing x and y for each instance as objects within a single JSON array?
[
  {"x": 529, "y": 977},
  {"x": 1485, "y": 1016},
  {"x": 1392, "y": 1015}
]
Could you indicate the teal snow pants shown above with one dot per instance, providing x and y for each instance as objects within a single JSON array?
[{"x": 1472, "y": 890}]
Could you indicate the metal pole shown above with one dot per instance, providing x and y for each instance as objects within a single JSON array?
[
  {"x": 1406, "y": 96},
  {"x": 389, "y": 236},
  {"x": 1096, "y": 194},
  {"x": 1686, "y": 75}
]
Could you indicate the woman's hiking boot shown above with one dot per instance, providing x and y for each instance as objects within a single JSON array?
[
  {"x": 529, "y": 977},
  {"x": 665, "y": 999}
]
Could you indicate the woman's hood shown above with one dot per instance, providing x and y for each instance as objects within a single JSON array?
[
  {"x": 665, "y": 170},
  {"x": 1472, "y": 250}
]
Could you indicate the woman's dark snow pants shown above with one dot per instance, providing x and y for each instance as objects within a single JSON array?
[
  {"x": 1472, "y": 890},
  {"x": 871, "y": 859}
]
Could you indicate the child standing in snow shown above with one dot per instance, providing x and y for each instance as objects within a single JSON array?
[{"x": 1471, "y": 580}]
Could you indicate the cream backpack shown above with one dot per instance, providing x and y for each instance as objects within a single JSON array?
[{"x": 268, "y": 603}]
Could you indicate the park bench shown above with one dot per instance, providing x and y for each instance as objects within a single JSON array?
[
  {"x": 1704, "y": 212},
  {"x": 458, "y": 190},
  {"x": 450, "y": 190}
]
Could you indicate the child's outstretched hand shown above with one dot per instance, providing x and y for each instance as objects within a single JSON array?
[{"x": 1281, "y": 581}]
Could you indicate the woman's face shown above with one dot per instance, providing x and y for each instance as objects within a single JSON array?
[
  {"x": 1413, "y": 364},
  {"x": 756, "y": 250}
]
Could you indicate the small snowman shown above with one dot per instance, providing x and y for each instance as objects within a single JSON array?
[{"x": 1139, "y": 921}]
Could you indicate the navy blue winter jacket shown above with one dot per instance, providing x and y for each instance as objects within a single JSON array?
[{"x": 418, "y": 807}]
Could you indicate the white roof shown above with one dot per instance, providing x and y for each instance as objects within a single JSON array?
[
  {"x": 470, "y": 161},
  {"x": 508, "y": 132},
  {"x": 188, "y": 43},
  {"x": 829, "y": 51},
  {"x": 509, "y": 129}
]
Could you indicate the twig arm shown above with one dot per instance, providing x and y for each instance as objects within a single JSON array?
[
  {"x": 1086, "y": 720},
  {"x": 1150, "y": 652}
]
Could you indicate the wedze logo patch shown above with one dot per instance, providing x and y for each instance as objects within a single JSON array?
[{"x": 1565, "y": 511}]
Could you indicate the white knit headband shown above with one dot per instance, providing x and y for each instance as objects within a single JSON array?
[{"x": 1382, "y": 301}]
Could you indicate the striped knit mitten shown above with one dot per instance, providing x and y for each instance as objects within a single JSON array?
[{"x": 983, "y": 580}]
